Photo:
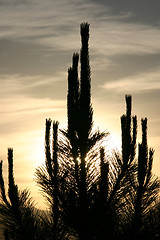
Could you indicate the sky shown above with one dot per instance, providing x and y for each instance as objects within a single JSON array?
[{"x": 37, "y": 40}]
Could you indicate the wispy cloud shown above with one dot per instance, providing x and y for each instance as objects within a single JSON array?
[
  {"x": 19, "y": 85},
  {"x": 19, "y": 82},
  {"x": 54, "y": 24},
  {"x": 126, "y": 38},
  {"x": 22, "y": 111},
  {"x": 136, "y": 83}
]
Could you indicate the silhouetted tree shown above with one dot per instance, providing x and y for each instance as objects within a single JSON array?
[
  {"x": 147, "y": 186},
  {"x": 6, "y": 237},
  {"x": 130, "y": 189},
  {"x": 80, "y": 134},
  {"x": 75, "y": 151},
  {"x": 51, "y": 178},
  {"x": 17, "y": 212}
]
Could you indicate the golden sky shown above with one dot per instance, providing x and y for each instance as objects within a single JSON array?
[{"x": 37, "y": 40}]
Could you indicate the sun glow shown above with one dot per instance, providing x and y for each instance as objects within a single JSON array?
[
  {"x": 115, "y": 141},
  {"x": 37, "y": 151}
]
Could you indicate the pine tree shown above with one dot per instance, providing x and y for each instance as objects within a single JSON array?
[
  {"x": 51, "y": 178},
  {"x": 116, "y": 183},
  {"x": 147, "y": 185},
  {"x": 80, "y": 134},
  {"x": 17, "y": 213},
  {"x": 76, "y": 146}
]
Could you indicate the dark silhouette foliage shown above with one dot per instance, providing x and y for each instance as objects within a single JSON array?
[
  {"x": 18, "y": 215},
  {"x": 100, "y": 196},
  {"x": 77, "y": 143},
  {"x": 90, "y": 195}
]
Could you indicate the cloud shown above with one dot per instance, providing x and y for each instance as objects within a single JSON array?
[
  {"x": 140, "y": 11},
  {"x": 43, "y": 20},
  {"x": 22, "y": 109},
  {"x": 125, "y": 38},
  {"x": 23, "y": 105},
  {"x": 34, "y": 86},
  {"x": 136, "y": 83},
  {"x": 39, "y": 37},
  {"x": 54, "y": 24}
]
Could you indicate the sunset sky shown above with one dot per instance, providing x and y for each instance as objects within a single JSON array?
[{"x": 37, "y": 40}]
